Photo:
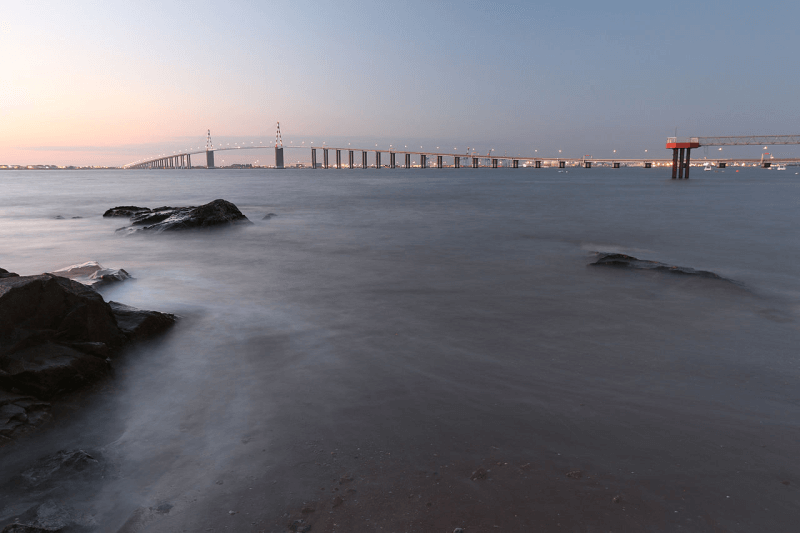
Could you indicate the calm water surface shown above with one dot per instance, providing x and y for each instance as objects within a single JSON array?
[{"x": 450, "y": 308}]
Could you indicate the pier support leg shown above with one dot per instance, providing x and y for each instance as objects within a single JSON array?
[
  {"x": 537, "y": 164},
  {"x": 439, "y": 162},
  {"x": 721, "y": 165},
  {"x": 674, "y": 163},
  {"x": 363, "y": 159},
  {"x": 648, "y": 164},
  {"x": 313, "y": 158},
  {"x": 587, "y": 164},
  {"x": 422, "y": 161},
  {"x": 615, "y": 165},
  {"x": 189, "y": 161},
  {"x": 350, "y": 159},
  {"x": 474, "y": 162},
  {"x": 325, "y": 158},
  {"x": 457, "y": 162},
  {"x": 563, "y": 164},
  {"x": 338, "y": 159},
  {"x": 392, "y": 159},
  {"x": 680, "y": 163},
  {"x": 494, "y": 163},
  {"x": 377, "y": 159},
  {"x": 515, "y": 163},
  {"x": 688, "y": 160},
  {"x": 408, "y": 160}
]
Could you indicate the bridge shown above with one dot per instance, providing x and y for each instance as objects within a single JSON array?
[
  {"x": 681, "y": 156},
  {"x": 686, "y": 144}
]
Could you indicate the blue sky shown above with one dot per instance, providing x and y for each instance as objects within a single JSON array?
[{"x": 110, "y": 82}]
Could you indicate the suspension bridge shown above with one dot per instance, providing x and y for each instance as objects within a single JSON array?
[{"x": 680, "y": 162}]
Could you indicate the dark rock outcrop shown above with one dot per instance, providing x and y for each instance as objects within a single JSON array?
[
  {"x": 269, "y": 216},
  {"x": 6, "y": 274},
  {"x": 125, "y": 211},
  {"x": 56, "y": 335},
  {"x": 627, "y": 261},
  {"x": 216, "y": 213},
  {"x": 64, "y": 465}
]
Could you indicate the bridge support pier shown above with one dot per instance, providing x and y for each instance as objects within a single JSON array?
[
  {"x": 363, "y": 159},
  {"x": 377, "y": 159},
  {"x": 615, "y": 164},
  {"x": 210, "y": 159},
  {"x": 325, "y": 158},
  {"x": 647, "y": 164},
  {"x": 189, "y": 161},
  {"x": 675, "y": 163},
  {"x": 515, "y": 163},
  {"x": 338, "y": 159},
  {"x": 439, "y": 162},
  {"x": 422, "y": 162},
  {"x": 587, "y": 164},
  {"x": 494, "y": 163},
  {"x": 721, "y": 164},
  {"x": 537, "y": 164},
  {"x": 408, "y": 160},
  {"x": 313, "y": 158},
  {"x": 350, "y": 159},
  {"x": 392, "y": 159},
  {"x": 562, "y": 164},
  {"x": 279, "y": 157},
  {"x": 688, "y": 160},
  {"x": 474, "y": 162},
  {"x": 457, "y": 162}
]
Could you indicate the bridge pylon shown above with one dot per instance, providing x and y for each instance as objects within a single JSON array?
[
  {"x": 209, "y": 151},
  {"x": 278, "y": 148}
]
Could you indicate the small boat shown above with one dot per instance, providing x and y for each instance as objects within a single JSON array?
[
  {"x": 706, "y": 167},
  {"x": 780, "y": 167}
]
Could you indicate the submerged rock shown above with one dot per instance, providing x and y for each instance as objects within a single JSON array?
[
  {"x": 56, "y": 335},
  {"x": 20, "y": 413},
  {"x": 92, "y": 273},
  {"x": 627, "y": 261},
  {"x": 138, "y": 323},
  {"x": 269, "y": 216},
  {"x": 216, "y": 213},
  {"x": 51, "y": 517}
]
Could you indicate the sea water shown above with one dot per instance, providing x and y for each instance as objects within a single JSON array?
[{"x": 405, "y": 309}]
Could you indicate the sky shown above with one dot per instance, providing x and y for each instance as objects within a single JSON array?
[{"x": 108, "y": 83}]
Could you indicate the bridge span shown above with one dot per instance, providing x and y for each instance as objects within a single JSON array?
[{"x": 680, "y": 163}]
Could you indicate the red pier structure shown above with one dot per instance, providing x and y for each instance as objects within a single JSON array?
[{"x": 679, "y": 145}]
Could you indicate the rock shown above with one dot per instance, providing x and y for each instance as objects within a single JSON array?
[
  {"x": 92, "y": 273},
  {"x": 19, "y": 413},
  {"x": 56, "y": 335},
  {"x": 479, "y": 474},
  {"x": 58, "y": 217},
  {"x": 6, "y": 274},
  {"x": 62, "y": 466},
  {"x": 125, "y": 211},
  {"x": 51, "y": 517},
  {"x": 299, "y": 526},
  {"x": 575, "y": 474},
  {"x": 627, "y": 261},
  {"x": 138, "y": 323},
  {"x": 269, "y": 216},
  {"x": 37, "y": 309},
  {"x": 216, "y": 213}
]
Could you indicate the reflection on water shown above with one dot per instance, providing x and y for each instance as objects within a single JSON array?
[{"x": 407, "y": 308}]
